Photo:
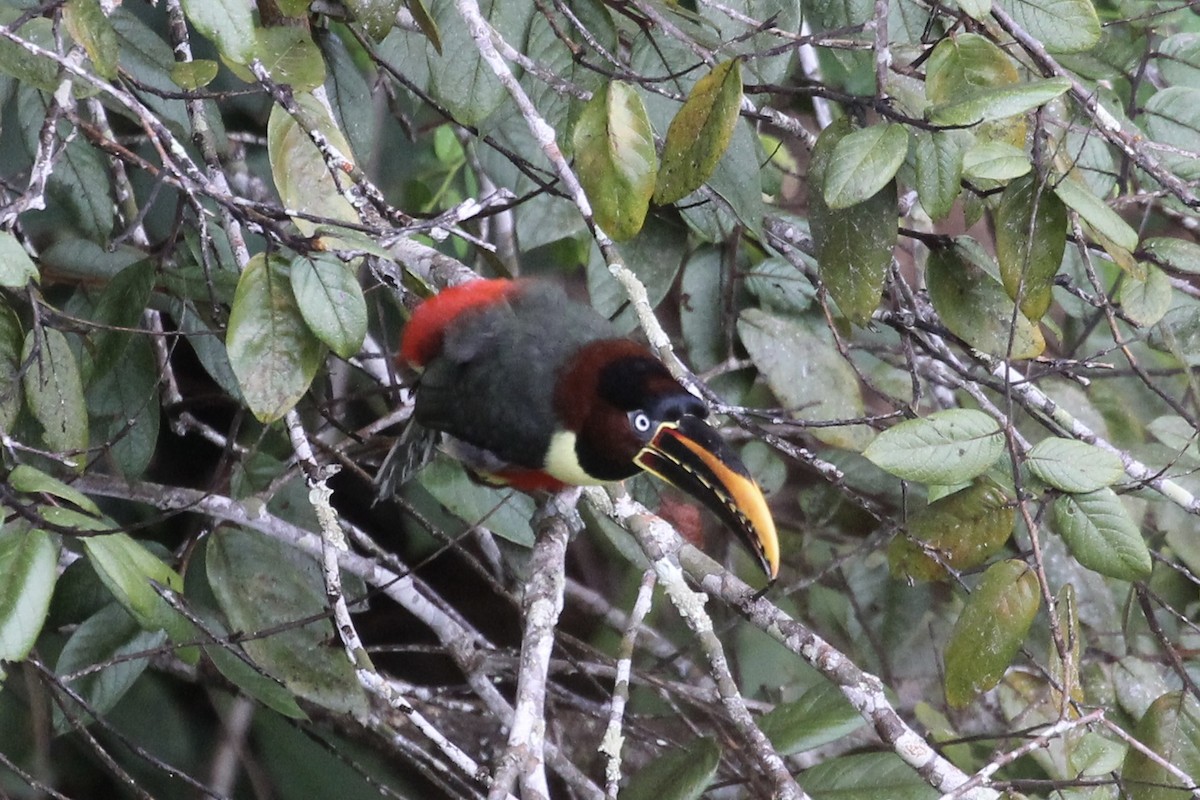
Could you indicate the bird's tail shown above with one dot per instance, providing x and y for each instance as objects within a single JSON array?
[{"x": 412, "y": 450}]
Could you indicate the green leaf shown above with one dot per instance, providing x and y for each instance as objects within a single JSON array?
[
  {"x": 293, "y": 8},
  {"x": 1176, "y": 433},
  {"x": 124, "y": 402},
  {"x": 779, "y": 286},
  {"x": 1170, "y": 729},
  {"x": 459, "y": 78},
  {"x": 965, "y": 64},
  {"x": 1073, "y": 466},
  {"x": 291, "y": 58},
  {"x": 193, "y": 75},
  {"x": 963, "y": 530},
  {"x": 206, "y": 342},
  {"x": 88, "y": 26},
  {"x": 1178, "y": 254},
  {"x": 503, "y": 511},
  {"x": 331, "y": 301},
  {"x": 28, "y": 573},
  {"x": 806, "y": 372},
  {"x": 1173, "y": 118},
  {"x": 854, "y": 245},
  {"x": 64, "y": 517},
  {"x": 1063, "y": 26},
  {"x": 974, "y": 306},
  {"x": 130, "y": 571},
  {"x": 995, "y": 161},
  {"x": 681, "y": 774},
  {"x": 287, "y": 587},
  {"x": 229, "y": 660},
  {"x": 990, "y": 629},
  {"x": 54, "y": 392},
  {"x": 1145, "y": 302},
  {"x": 947, "y": 447},
  {"x": 229, "y": 24},
  {"x": 700, "y": 133},
  {"x": 348, "y": 93},
  {"x": 1096, "y": 213},
  {"x": 865, "y": 776},
  {"x": 120, "y": 306},
  {"x": 107, "y": 637},
  {"x": 821, "y": 715},
  {"x": 737, "y": 179},
  {"x": 16, "y": 267},
  {"x": 80, "y": 183},
  {"x": 978, "y": 10},
  {"x": 31, "y": 480},
  {"x": 1031, "y": 237},
  {"x": 301, "y": 176},
  {"x": 377, "y": 17},
  {"x": 1180, "y": 60},
  {"x": 939, "y": 167},
  {"x": 985, "y": 105},
  {"x": 271, "y": 350},
  {"x": 148, "y": 59},
  {"x": 701, "y": 320},
  {"x": 1101, "y": 535},
  {"x": 37, "y": 71},
  {"x": 863, "y": 163},
  {"x": 737, "y": 39},
  {"x": 11, "y": 339},
  {"x": 615, "y": 158}
]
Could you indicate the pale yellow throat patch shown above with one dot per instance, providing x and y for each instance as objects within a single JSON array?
[{"x": 562, "y": 463}]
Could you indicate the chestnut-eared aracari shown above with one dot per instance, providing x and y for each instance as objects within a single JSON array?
[{"x": 538, "y": 392}]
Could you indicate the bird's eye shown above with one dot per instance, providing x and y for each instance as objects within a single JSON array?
[{"x": 639, "y": 421}]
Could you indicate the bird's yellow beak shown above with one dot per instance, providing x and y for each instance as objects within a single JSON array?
[{"x": 691, "y": 456}]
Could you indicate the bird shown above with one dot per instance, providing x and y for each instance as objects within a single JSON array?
[{"x": 538, "y": 392}]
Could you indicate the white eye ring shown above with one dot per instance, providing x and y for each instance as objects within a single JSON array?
[{"x": 641, "y": 422}]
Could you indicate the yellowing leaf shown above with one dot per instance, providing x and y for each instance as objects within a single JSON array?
[
  {"x": 301, "y": 175},
  {"x": 700, "y": 133},
  {"x": 961, "y": 65},
  {"x": 615, "y": 159},
  {"x": 86, "y": 21},
  {"x": 990, "y": 630},
  {"x": 959, "y": 531}
]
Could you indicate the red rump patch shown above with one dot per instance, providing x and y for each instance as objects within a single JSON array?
[
  {"x": 424, "y": 332},
  {"x": 528, "y": 480}
]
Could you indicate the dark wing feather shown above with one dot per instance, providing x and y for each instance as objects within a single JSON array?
[{"x": 492, "y": 384}]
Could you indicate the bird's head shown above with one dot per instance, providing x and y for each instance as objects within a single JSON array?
[{"x": 624, "y": 412}]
